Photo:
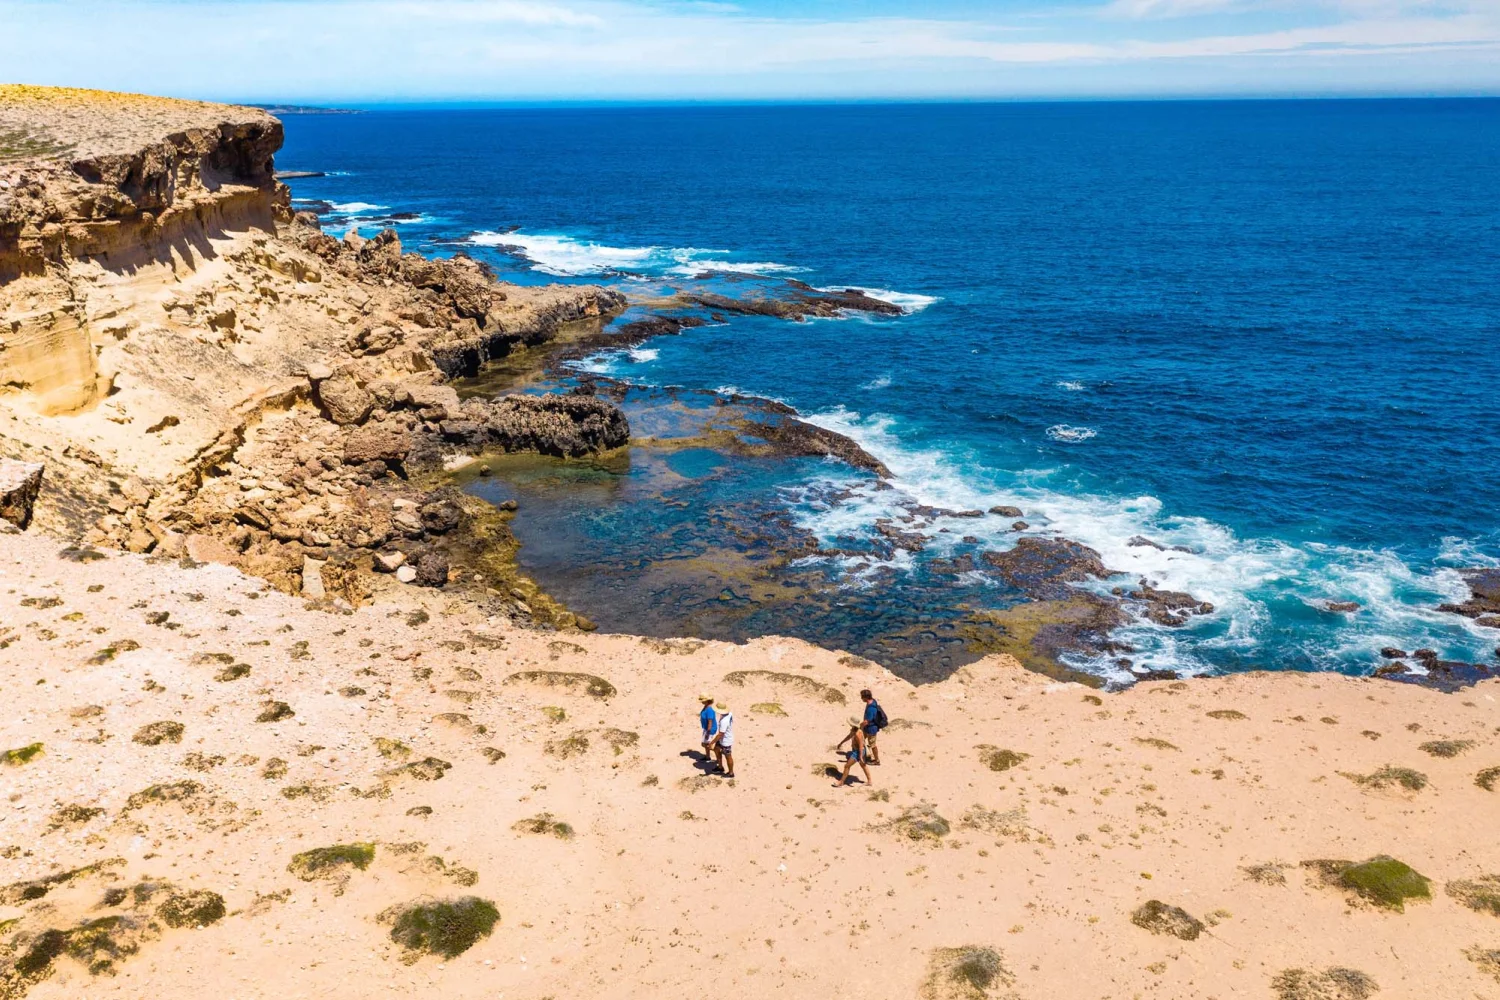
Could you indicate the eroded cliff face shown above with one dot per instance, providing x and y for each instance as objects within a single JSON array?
[{"x": 170, "y": 333}]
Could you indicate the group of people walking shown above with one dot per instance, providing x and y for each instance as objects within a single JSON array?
[{"x": 717, "y": 723}]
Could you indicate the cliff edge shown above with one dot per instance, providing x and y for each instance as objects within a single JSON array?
[{"x": 167, "y": 327}]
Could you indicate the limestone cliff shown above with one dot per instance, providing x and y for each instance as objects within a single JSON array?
[{"x": 164, "y": 318}]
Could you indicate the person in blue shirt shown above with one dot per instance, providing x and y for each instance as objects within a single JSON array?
[
  {"x": 709, "y": 721},
  {"x": 874, "y": 722}
]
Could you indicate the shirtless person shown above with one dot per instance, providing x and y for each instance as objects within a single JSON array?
[{"x": 855, "y": 754}]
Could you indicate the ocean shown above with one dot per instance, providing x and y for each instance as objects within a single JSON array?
[{"x": 1264, "y": 335}]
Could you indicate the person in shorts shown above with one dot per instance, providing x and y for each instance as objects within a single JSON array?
[
  {"x": 723, "y": 740},
  {"x": 855, "y": 754},
  {"x": 873, "y": 722},
  {"x": 708, "y": 720}
]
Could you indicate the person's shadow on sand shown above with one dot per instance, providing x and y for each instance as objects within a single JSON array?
[
  {"x": 833, "y": 772},
  {"x": 702, "y": 761}
]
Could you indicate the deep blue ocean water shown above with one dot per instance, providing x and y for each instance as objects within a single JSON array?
[{"x": 1266, "y": 331}]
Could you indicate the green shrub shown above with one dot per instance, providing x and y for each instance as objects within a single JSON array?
[{"x": 446, "y": 927}]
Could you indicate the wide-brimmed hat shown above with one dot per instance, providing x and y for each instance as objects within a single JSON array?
[
  {"x": 705, "y": 697},
  {"x": 722, "y": 705},
  {"x": 855, "y": 723}
]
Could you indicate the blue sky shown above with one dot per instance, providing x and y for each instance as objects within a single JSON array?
[{"x": 368, "y": 51}]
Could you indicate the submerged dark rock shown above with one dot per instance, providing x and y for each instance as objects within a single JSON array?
[
  {"x": 1043, "y": 567},
  {"x": 1171, "y": 608},
  {"x": 1484, "y": 595}
]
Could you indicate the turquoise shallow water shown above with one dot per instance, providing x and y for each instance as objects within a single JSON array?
[{"x": 1262, "y": 331}]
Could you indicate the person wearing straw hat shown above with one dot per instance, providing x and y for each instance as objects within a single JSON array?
[
  {"x": 709, "y": 722},
  {"x": 723, "y": 741},
  {"x": 856, "y": 752}
]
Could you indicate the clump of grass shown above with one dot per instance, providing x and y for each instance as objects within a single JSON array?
[
  {"x": 199, "y": 659},
  {"x": 680, "y": 646},
  {"x": 332, "y": 863},
  {"x": 544, "y": 824},
  {"x": 1446, "y": 749},
  {"x": 74, "y": 815},
  {"x": 274, "y": 769},
  {"x": 572, "y": 746},
  {"x": 561, "y": 647},
  {"x": 391, "y": 749},
  {"x": 195, "y": 908},
  {"x": 157, "y": 733},
  {"x": 22, "y": 755},
  {"x": 493, "y": 754},
  {"x": 1481, "y": 895},
  {"x": 1271, "y": 873},
  {"x": 619, "y": 739},
  {"x": 919, "y": 823},
  {"x": 318, "y": 793},
  {"x": 1161, "y": 918},
  {"x": 1382, "y": 880},
  {"x": 998, "y": 759},
  {"x": 204, "y": 763},
  {"x": 114, "y": 649},
  {"x": 1094, "y": 699},
  {"x": 1152, "y": 741},
  {"x": 555, "y": 713},
  {"x": 233, "y": 672},
  {"x": 1488, "y": 960},
  {"x": 1228, "y": 714},
  {"x": 768, "y": 708},
  {"x": 446, "y": 927},
  {"x": 176, "y": 791},
  {"x": 1488, "y": 778},
  {"x": 967, "y": 973},
  {"x": 275, "y": 711},
  {"x": 426, "y": 769},
  {"x": 1412, "y": 781},
  {"x": 1330, "y": 984},
  {"x": 594, "y": 687},
  {"x": 796, "y": 682}
]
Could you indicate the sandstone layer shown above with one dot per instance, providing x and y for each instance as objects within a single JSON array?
[{"x": 205, "y": 375}]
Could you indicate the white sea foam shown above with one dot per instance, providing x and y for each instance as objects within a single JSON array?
[
  {"x": 1248, "y": 580},
  {"x": 908, "y": 302},
  {"x": 641, "y": 355},
  {"x": 880, "y": 382},
  {"x": 1070, "y": 434},
  {"x": 355, "y": 207},
  {"x": 570, "y": 256},
  {"x": 1072, "y": 386}
]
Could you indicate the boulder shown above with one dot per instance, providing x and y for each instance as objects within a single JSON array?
[
  {"x": 312, "y": 578},
  {"x": 1005, "y": 510},
  {"x": 1043, "y": 567},
  {"x": 441, "y": 516},
  {"x": 389, "y": 562},
  {"x": 432, "y": 569},
  {"x": 20, "y": 482},
  {"x": 382, "y": 441},
  {"x": 343, "y": 398},
  {"x": 208, "y": 549}
]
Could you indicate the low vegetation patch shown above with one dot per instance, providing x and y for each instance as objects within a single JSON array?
[
  {"x": 920, "y": 823},
  {"x": 1010, "y": 824},
  {"x": 1228, "y": 714},
  {"x": 1160, "y": 918},
  {"x": 72, "y": 816},
  {"x": 544, "y": 824},
  {"x": 998, "y": 759},
  {"x": 1382, "y": 880},
  {"x": 446, "y": 927},
  {"x": 1330, "y": 984},
  {"x": 1488, "y": 778},
  {"x": 768, "y": 708},
  {"x": 391, "y": 749},
  {"x": 426, "y": 769},
  {"x": 1388, "y": 777},
  {"x": 156, "y": 733},
  {"x": 1152, "y": 741},
  {"x": 1447, "y": 749},
  {"x": 275, "y": 711},
  {"x": 971, "y": 972},
  {"x": 1487, "y": 959},
  {"x": 1271, "y": 873},
  {"x": 1481, "y": 895},
  {"x": 794, "y": 682},
  {"x": 233, "y": 672},
  {"x": 24, "y": 892},
  {"x": 175, "y": 791},
  {"x": 22, "y": 755},
  {"x": 332, "y": 864},
  {"x": 195, "y": 908},
  {"x": 594, "y": 687}
]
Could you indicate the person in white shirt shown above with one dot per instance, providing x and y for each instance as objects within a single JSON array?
[{"x": 723, "y": 740}]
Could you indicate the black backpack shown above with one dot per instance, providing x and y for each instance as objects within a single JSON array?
[{"x": 880, "y": 720}]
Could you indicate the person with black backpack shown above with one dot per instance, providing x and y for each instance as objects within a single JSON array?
[{"x": 874, "y": 722}]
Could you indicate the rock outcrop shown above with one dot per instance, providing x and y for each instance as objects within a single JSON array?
[{"x": 19, "y": 484}]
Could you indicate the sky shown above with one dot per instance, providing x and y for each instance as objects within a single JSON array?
[{"x": 363, "y": 52}]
